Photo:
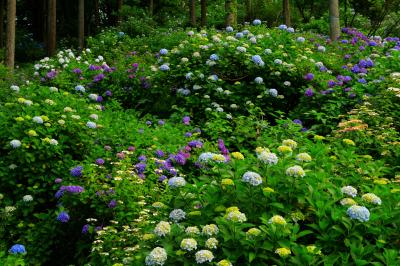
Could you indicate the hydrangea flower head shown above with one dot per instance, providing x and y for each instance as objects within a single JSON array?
[
  {"x": 237, "y": 155},
  {"x": 177, "y": 182},
  {"x": 77, "y": 171},
  {"x": 257, "y": 60},
  {"x": 295, "y": 171},
  {"x": 15, "y": 143},
  {"x": 63, "y": 217},
  {"x": 162, "y": 228},
  {"x": 214, "y": 57},
  {"x": 359, "y": 213},
  {"x": 348, "y": 201},
  {"x": 192, "y": 230},
  {"x": 349, "y": 191},
  {"x": 189, "y": 244},
  {"x": 372, "y": 198},
  {"x": 164, "y": 67},
  {"x": 203, "y": 256},
  {"x": 277, "y": 219},
  {"x": 224, "y": 263},
  {"x": 303, "y": 157},
  {"x": 283, "y": 252},
  {"x": 229, "y": 29},
  {"x": 211, "y": 243},
  {"x": 256, "y": 22},
  {"x": 268, "y": 157},
  {"x": 90, "y": 124},
  {"x": 163, "y": 51},
  {"x": 177, "y": 215},
  {"x": 236, "y": 216},
  {"x": 253, "y": 233},
  {"x": 210, "y": 229},
  {"x": 289, "y": 142},
  {"x": 157, "y": 257},
  {"x": 259, "y": 80},
  {"x": 17, "y": 249},
  {"x": 252, "y": 178}
]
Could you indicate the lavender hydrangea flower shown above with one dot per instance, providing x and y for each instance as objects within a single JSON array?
[
  {"x": 256, "y": 22},
  {"x": 100, "y": 161},
  {"x": 85, "y": 229},
  {"x": 63, "y": 217},
  {"x": 359, "y": 213},
  {"x": 258, "y": 60},
  {"x": 76, "y": 171},
  {"x": 186, "y": 120},
  {"x": 112, "y": 204},
  {"x": 309, "y": 92}
]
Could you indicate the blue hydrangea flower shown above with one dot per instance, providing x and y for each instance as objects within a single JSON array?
[
  {"x": 17, "y": 248},
  {"x": 214, "y": 57},
  {"x": 273, "y": 92},
  {"x": 163, "y": 51},
  {"x": 91, "y": 124},
  {"x": 258, "y": 60},
  {"x": 359, "y": 213},
  {"x": 252, "y": 178},
  {"x": 291, "y": 30},
  {"x": 189, "y": 75},
  {"x": 15, "y": 143},
  {"x": 229, "y": 29},
  {"x": 282, "y": 27},
  {"x": 164, "y": 67},
  {"x": 239, "y": 35},
  {"x": 256, "y": 22},
  {"x": 177, "y": 215},
  {"x": 63, "y": 217},
  {"x": 258, "y": 80},
  {"x": 176, "y": 182},
  {"x": 80, "y": 88}
]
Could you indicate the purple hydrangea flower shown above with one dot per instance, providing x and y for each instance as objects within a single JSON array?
[
  {"x": 298, "y": 121},
  {"x": 77, "y": 71},
  {"x": 162, "y": 178},
  {"x": 85, "y": 229},
  {"x": 222, "y": 148},
  {"x": 140, "y": 167},
  {"x": 309, "y": 76},
  {"x": 160, "y": 153},
  {"x": 309, "y": 92},
  {"x": 142, "y": 158},
  {"x": 98, "y": 77},
  {"x": 161, "y": 122},
  {"x": 186, "y": 120},
  {"x": 108, "y": 93},
  {"x": 112, "y": 204},
  {"x": 77, "y": 171},
  {"x": 63, "y": 217},
  {"x": 195, "y": 144},
  {"x": 100, "y": 161},
  {"x": 58, "y": 180}
]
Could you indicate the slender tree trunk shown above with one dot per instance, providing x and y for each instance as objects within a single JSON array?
[
  {"x": 334, "y": 23},
  {"x": 52, "y": 27},
  {"x": 119, "y": 7},
  {"x": 231, "y": 12},
  {"x": 96, "y": 15},
  {"x": 249, "y": 10},
  {"x": 203, "y": 13},
  {"x": 151, "y": 7},
  {"x": 1, "y": 23},
  {"x": 192, "y": 12},
  {"x": 10, "y": 49},
  {"x": 286, "y": 12},
  {"x": 81, "y": 23}
]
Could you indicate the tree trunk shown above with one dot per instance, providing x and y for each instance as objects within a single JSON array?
[
  {"x": 151, "y": 7},
  {"x": 52, "y": 27},
  {"x": 192, "y": 12},
  {"x": 249, "y": 10},
  {"x": 231, "y": 12},
  {"x": 203, "y": 13},
  {"x": 286, "y": 12},
  {"x": 81, "y": 23},
  {"x": 96, "y": 15},
  {"x": 1, "y": 22},
  {"x": 10, "y": 49},
  {"x": 334, "y": 23},
  {"x": 119, "y": 7}
]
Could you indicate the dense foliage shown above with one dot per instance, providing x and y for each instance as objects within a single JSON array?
[{"x": 247, "y": 146}]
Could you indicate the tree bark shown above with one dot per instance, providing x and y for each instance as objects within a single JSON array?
[
  {"x": 1, "y": 23},
  {"x": 286, "y": 12},
  {"x": 203, "y": 13},
  {"x": 52, "y": 27},
  {"x": 249, "y": 10},
  {"x": 81, "y": 23},
  {"x": 96, "y": 15},
  {"x": 334, "y": 22},
  {"x": 119, "y": 7},
  {"x": 231, "y": 12},
  {"x": 151, "y": 7},
  {"x": 192, "y": 12},
  {"x": 10, "y": 49}
]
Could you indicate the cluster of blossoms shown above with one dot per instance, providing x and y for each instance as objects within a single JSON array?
[
  {"x": 303, "y": 157},
  {"x": 283, "y": 252},
  {"x": 203, "y": 256},
  {"x": 289, "y": 142},
  {"x": 267, "y": 157},
  {"x": 192, "y": 230},
  {"x": 348, "y": 201},
  {"x": 349, "y": 191},
  {"x": 177, "y": 215},
  {"x": 252, "y": 233},
  {"x": 277, "y": 219},
  {"x": 210, "y": 230},
  {"x": 371, "y": 198},
  {"x": 176, "y": 182},
  {"x": 295, "y": 171},
  {"x": 234, "y": 215},
  {"x": 158, "y": 256},
  {"x": 189, "y": 244},
  {"x": 162, "y": 228},
  {"x": 359, "y": 213},
  {"x": 211, "y": 243},
  {"x": 252, "y": 178},
  {"x": 68, "y": 189},
  {"x": 17, "y": 249}
]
